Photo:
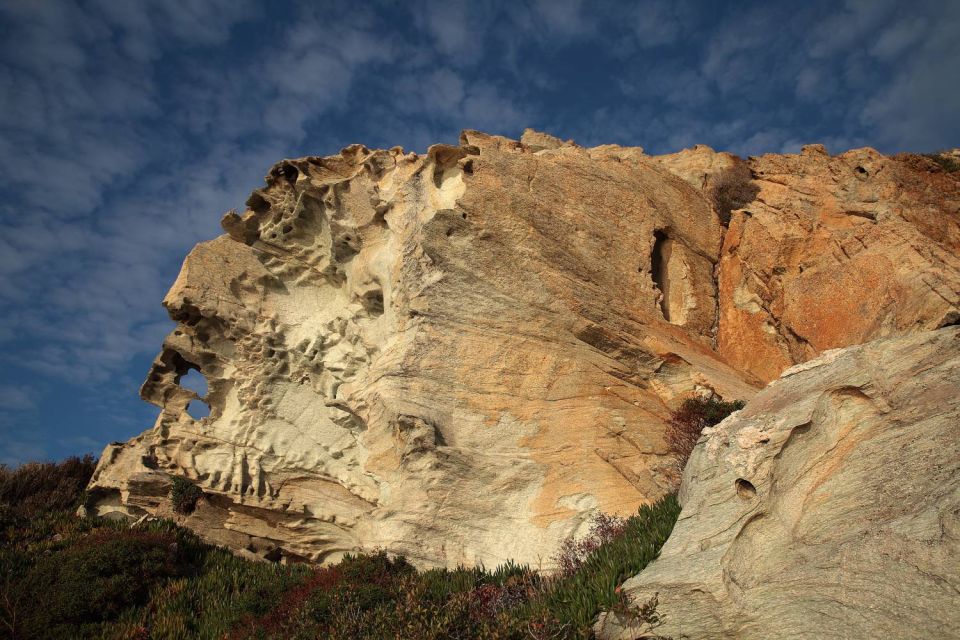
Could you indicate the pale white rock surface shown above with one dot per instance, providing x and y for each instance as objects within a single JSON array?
[
  {"x": 828, "y": 508},
  {"x": 460, "y": 356}
]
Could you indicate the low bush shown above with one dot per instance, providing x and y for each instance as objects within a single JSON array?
[
  {"x": 184, "y": 495},
  {"x": 95, "y": 579},
  {"x": 733, "y": 188},
  {"x": 575, "y": 552},
  {"x": 690, "y": 419},
  {"x": 577, "y": 600}
]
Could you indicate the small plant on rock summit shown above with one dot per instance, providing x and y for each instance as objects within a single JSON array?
[
  {"x": 948, "y": 162},
  {"x": 733, "y": 189}
]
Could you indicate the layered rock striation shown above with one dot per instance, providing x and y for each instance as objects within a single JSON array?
[
  {"x": 462, "y": 356},
  {"x": 827, "y": 508}
]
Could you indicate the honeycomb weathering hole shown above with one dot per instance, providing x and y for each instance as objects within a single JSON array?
[{"x": 745, "y": 489}]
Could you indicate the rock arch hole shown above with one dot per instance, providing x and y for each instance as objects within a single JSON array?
[
  {"x": 194, "y": 381},
  {"x": 198, "y": 409}
]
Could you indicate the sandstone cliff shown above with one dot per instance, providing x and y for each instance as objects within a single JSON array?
[
  {"x": 461, "y": 356},
  {"x": 827, "y": 508}
]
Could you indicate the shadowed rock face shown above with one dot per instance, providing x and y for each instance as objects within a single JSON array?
[
  {"x": 827, "y": 508},
  {"x": 459, "y": 356}
]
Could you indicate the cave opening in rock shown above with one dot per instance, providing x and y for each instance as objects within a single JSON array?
[{"x": 659, "y": 261}]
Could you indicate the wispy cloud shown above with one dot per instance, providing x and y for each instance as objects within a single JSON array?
[{"x": 127, "y": 128}]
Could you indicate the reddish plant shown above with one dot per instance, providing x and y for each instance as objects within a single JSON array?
[
  {"x": 574, "y": 553},
  {"x": 278, "y": 618},
  {"x": 690, "y": 419},
  {"x": 487, "y": 600}
]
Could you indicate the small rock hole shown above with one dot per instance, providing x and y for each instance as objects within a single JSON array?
[{"x": 745, "y": 489}]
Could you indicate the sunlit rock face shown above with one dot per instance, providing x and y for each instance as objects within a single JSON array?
[
  {"x": 459, "y": 356},
  {"x": 833, "y": 251},
  {"x": 827, "y": 508}
]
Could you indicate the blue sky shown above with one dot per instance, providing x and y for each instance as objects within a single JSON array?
[{"x": 128, "y": 128}]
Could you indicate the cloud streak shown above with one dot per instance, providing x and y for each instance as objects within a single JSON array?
[{"x": 126, "y": 129}]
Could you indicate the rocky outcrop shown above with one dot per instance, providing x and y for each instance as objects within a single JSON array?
[
  {"x": 827, "y": 508},
  {"x": 833, "y": 251},
  {"x": 461, "y": 356}
]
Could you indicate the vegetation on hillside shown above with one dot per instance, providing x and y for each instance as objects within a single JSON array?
[{"x": 67, "y": 577}]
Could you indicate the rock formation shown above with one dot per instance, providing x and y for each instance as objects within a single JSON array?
[
  {"x": 827, "y": 508},
  {"x": 461, "y": 356}
]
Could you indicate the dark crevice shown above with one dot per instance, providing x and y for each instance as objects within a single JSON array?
[{"x": 659, "y": 257}]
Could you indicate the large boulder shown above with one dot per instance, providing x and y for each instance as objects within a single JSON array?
[
  {"x": 462, "y": 356},
  {"x": 828, "y": 508}
]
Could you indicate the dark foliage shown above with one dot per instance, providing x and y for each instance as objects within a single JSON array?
[
  {"x": 691, "y": 418},
  {"x": 68, "y": 577},
  {"x": 732, "y": 189},
  {"x": 184, "y": 495},
  {"x": 41, "y": 487},
  {"x": 96, "y": 579}
]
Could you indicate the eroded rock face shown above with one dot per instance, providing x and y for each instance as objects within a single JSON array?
[
  {"x": 459, "y": 356},
  {"x": 827, "y": 508}
]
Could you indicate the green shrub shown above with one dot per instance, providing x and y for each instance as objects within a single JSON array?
[
  {"x": 184, "y": 495},
  {"x": 573, "y": 553},
  {"x": 578, "y": 599},
  {"x": 96, "y": 579},
  {"x": 690, "y": 419},
  {"x": 733, "y": 188},
  {"x": 947, "y": 162}
]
